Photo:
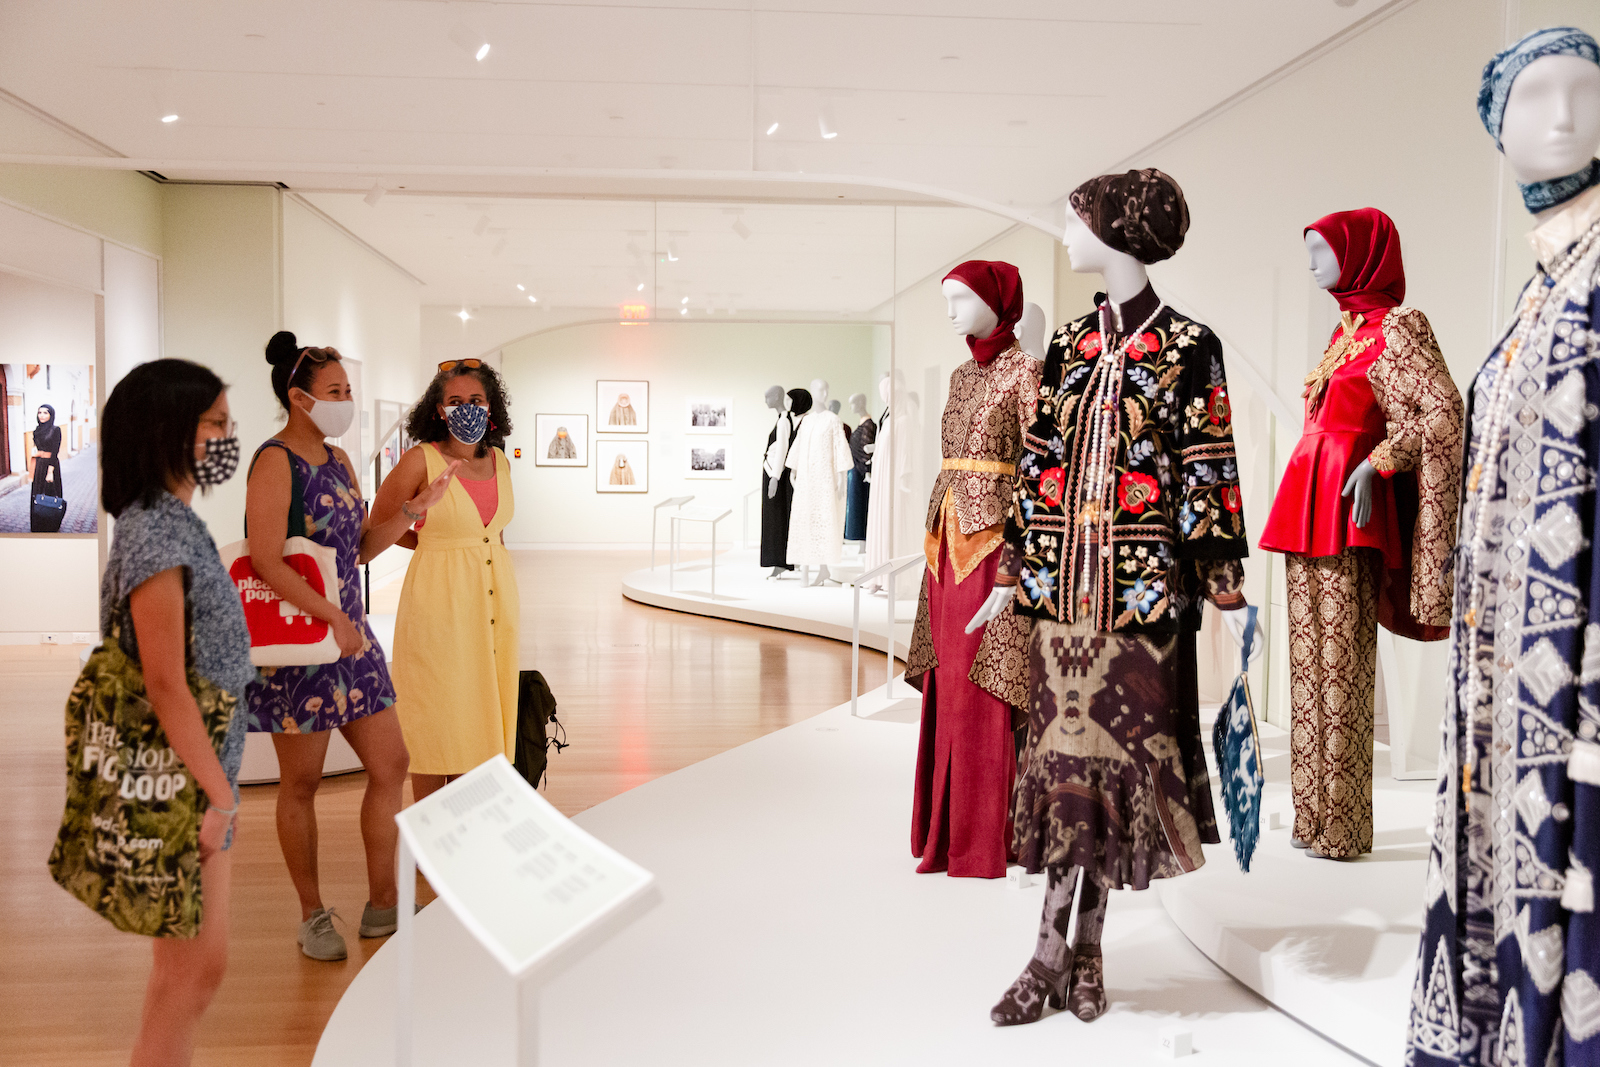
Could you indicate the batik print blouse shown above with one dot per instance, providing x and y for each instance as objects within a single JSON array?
[{"x": 1175, "y": 530}]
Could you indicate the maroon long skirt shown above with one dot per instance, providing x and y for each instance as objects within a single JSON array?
[{"x": 966, "y": 759}]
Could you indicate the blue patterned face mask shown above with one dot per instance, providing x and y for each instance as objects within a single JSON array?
[{"x": 468, "y": 422}]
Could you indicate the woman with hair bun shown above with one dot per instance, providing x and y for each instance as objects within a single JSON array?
[
  {"x": 301, "y": 706},
  {"x": 455, "y": 637}
]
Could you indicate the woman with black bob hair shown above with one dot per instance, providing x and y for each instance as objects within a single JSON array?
[
  {"x": 455, "y": 636},
  {"x": 166, "y": 432},
  {"x": 301, "y": 484}
]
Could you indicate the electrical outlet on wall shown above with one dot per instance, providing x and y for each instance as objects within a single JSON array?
[
  {"x": 50, "y": 639},
  {"x": 85, "y": 637}
]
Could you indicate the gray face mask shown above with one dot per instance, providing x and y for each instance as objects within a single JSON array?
[{"x": 221, "y": 460}]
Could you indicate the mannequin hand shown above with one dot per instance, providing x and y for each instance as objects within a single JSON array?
[
  {"x": 772, "y": 488},
  {"x": 1235, "y": 619},
  {"x": 999, "y": 597},
  {"x": 869, "y": 449},
  {"x": 1359, "y": 487}
]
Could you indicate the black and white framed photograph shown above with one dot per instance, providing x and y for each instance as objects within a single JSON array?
[
  {"x": 710, "y": 414},
  {"x": 621, "y": 406},
  {"x": 621, "y": 466},
  {"x": 561, "y": 440},
  {"x": 706, "y": 459}
]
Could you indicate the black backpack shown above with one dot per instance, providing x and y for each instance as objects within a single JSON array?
[{"x": 536, "y": 715}]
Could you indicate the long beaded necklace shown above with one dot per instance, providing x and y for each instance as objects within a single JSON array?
[
  {"x": 1483, "y": 479},
  {"x": 1099, "y": 444}
]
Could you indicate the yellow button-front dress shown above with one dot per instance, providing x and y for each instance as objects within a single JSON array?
[{"x": 455, "y": 637}]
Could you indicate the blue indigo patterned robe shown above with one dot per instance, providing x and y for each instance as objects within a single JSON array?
[{"x": 1510, "y": 954}]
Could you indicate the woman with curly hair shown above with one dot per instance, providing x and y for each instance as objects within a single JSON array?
[{"x": 455, "y": 637}]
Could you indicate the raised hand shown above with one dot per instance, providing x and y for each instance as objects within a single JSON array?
[{"x": 436, "y": 489}]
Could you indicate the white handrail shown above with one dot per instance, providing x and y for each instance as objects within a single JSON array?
[
  {"x": 744, "y": 519},
  {"x": 655, "y": 523},
  {"x": 893, "y": 568}
]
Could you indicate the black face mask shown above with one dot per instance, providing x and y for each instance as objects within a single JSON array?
[{"x": 221, "y": 460}]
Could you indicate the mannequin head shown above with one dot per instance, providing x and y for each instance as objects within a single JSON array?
[
  {"x": 858, "y": 405},
  {"x": 885, "y": 389},
  {"x": 970, "y": 316},
  {"x": 1324, "y": 262},
  {"x": 819, "y": 394},
  {"x": 1551, "y": 126},
  {"x": 775, "y": 398},
  {"x": 1125, "y": 277},
  {"x": 1031, "y": 331},
  {"x": 833, "y": 406}
]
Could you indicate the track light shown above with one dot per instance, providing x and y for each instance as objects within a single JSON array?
[
  {"x": 683, "y": 311},
  {"x": 772, "y": 129},
  {"x": 469, "y": 40},
  {"x": 521, "y": 288},
  {"x": 639, "y": 288},
  {"x": 741, "y": 229},
  {"x": 169, "y": 118},
  {"x": 685, "y": 300},
  {"x": 483, "y": 51},
  {"x": 672, "y": 251},
  {"x": 374, "y": 195},
  {"x": 532, "y": 299},
  {"x": 462, "y": 315}
]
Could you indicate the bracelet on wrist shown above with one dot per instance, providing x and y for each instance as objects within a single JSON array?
[
  {"x": 405, "y": 509},
  {"x": 230, "y": 812}
]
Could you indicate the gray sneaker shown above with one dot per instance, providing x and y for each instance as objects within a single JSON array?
[
  {"x": 379, "y": 922},
  {"x": 318, "y": 938}
]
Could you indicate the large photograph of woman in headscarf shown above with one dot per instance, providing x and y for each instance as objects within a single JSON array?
[
  {"x": 561, "y": 440},
  {"x": 49, "y": 467}
]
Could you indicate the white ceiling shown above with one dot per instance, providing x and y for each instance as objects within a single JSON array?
[
  {"x": 1009, "y": 103},
  {"x": 815, "y": 258}
]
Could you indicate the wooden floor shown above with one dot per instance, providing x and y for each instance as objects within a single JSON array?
[{"x": 642, "y": 692}]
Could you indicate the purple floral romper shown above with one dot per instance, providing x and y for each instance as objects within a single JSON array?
[{"x": 302, "y": 700}]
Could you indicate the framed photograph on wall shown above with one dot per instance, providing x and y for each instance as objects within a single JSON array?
[
  {"x": 561, "y": 440},
  {"x": 389, "y": 412},
  {"x": 621, "y": 407},
  {"x": 706, "y": 459},
  {"x": 710, "y": 415},
  {"x": 50, "y": 434},
  {"x": 621, "y": 466}
]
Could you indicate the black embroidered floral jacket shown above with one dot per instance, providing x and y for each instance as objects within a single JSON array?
[{"x": 1176, "y": 528}]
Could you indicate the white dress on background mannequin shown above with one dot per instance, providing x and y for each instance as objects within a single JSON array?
[{"x": 818, "y": 454}]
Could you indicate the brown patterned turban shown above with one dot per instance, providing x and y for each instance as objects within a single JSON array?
[{"x": 1142, "y": 213}]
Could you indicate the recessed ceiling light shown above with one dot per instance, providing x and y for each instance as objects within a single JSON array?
[
  {"x": 482, "y": 51},
  {"x": 772, "y": 129},
  {"x": 639, "y": 288},
  {"x": 521, "y": 288},
  {"x": 462, "y": 315},
  {"x": 684, "y": 311},
  {"x": 533, "y": 299},
  {"x": 169, "y": 118},
  {"x": 685, "y": 300}
]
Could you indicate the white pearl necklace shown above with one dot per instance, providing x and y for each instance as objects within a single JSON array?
[
  {"x": 1484, "y": 478},
  {"x": 1105, "y": 384}
]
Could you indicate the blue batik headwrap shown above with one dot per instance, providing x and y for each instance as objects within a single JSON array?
[{"x": 1498, "y": 75}]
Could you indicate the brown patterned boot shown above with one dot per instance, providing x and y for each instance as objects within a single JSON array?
[
  {"x": 1086, "y": 998},
  {"x": 1024, "y": 1001}
]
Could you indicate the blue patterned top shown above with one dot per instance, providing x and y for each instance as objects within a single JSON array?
[{"x": 167, "y": 534}]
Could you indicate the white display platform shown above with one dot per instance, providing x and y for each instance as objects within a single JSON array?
[
  {"x": 1332, "y": 943},
  {"x": 260, "y": 766},
  {"x": 793, "y": 929},
  {"x": 746, "y": 594}
]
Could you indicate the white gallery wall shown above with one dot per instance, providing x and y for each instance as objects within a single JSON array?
[{"x": 555, "y": 372}]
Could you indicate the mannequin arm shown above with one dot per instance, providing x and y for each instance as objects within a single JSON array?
[
  {"x": 998, "y": 600},
  {"x": 1359, "y": 489},
  {"x": 1235, "y": 620}
]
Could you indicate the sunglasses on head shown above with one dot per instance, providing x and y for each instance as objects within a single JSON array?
[
  {"x": 452, "y": 364},
  {"x": 316, "y": 355}
]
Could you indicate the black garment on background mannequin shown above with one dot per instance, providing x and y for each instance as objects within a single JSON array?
[
  {"x": 775, "y": 507},
  {"x": 858, "y": 493}
]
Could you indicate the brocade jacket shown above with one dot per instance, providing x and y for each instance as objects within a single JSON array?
[
  {"x": 980, "y": 440},
  {"x": 1387, "y": 397},
  {"x": 1175, "y": 529}
]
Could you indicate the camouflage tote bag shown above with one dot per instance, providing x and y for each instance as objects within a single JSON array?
[{"x": 129, "y": 844}]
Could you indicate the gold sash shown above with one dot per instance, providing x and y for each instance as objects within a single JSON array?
[{"x": 982, "y": 466}]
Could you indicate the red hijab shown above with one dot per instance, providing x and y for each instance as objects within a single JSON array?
[
  {"x": 1000, "y": 286},
  {"x": 1371, "y": 274}
]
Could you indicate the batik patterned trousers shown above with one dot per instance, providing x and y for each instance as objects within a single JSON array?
[{"x": 1333, "y": 653}]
